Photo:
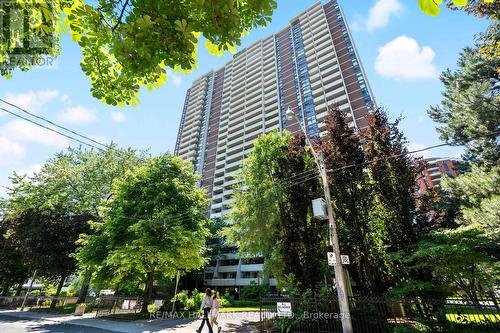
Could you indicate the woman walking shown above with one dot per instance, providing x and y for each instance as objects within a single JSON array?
[
  {"x": 215, "y": 312},
  {"x": 206, "y": 305}
]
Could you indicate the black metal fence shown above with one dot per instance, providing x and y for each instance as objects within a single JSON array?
[
  {"x": 379, "y": 315},
  {"x": 13, "y": 302},
  {"x": 119, "y": 307}
]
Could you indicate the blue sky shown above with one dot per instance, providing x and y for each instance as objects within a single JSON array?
[{"x": 403, "y": 52}]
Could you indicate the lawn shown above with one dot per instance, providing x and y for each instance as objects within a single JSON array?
[
  {"x": 473, "y": 316},
  {"x": 64, "y": 309},
  {"x": 240, "y": 309}
]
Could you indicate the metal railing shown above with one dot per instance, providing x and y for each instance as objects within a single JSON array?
[
  {"x": 378, "y": 315},
  {"x": 13, "y": 302},
  {"x": 119, "y": 307}
]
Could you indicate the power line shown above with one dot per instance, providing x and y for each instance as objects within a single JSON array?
[
  {"x": 50, "y": 129},
  {"x": 182, "y": 216},
  {"x": 296, "y": 179},
  {"x": 53, "y": 123}
]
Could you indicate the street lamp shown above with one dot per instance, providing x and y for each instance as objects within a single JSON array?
[{"x": 332, "y": 227}]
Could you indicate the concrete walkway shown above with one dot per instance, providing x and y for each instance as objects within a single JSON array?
[{"x": 236, "y": 322}]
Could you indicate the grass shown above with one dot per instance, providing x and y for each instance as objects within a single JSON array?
[
  {"x": 473, "y": 316},
  {"x": 240, "y": 309},
  {"x": 63, "y": 309},
  {"x": 179, "y": 315}
]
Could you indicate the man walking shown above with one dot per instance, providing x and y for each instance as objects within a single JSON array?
[{"x": 206, "y": 305}]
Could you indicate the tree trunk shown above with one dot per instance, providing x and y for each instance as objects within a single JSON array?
[
  {"x": 148, "y": 289},
  {"x": 84, "y": 288},
  {"x": 59, "y": 287},
  {"x": 492, "y": 295}
]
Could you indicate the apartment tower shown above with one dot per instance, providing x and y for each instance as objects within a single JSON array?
[
  {"x": 436, "y": 169},
  {"x": 309, "y": 66}
]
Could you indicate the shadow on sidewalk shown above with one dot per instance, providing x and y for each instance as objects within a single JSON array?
[
  {"x": 244, "y": 327},
  {"x": 65, "y": 328}
]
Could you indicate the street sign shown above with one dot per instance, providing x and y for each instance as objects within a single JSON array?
[
  {"x": 284, "y": 309},
  {"x": 332, "y": 261}
]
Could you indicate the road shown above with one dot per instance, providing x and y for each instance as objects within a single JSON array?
[{"x": 9, "y": 324}]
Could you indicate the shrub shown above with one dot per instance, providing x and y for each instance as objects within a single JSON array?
[
  {"x": 254, "y": 291},
  {"x": 244, "y": 304}
]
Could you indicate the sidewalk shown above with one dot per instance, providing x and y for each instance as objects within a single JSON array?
[{"x": 240, "y": 322}]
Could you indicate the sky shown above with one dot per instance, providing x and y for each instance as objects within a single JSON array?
[{"x": 402, "y": 50}]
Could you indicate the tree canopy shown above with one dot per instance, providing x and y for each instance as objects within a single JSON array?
[
  {"x": 433, "y": 7},
  {"x": 45, "y": 213},
  {"x": 127, "y": 44},
  {"x": 154, "y": 224},
  {"x": 470, "y": 110},
  {"x": 374, "y": 203}
]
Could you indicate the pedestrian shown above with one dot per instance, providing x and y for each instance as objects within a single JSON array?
[
  {"x": 215, "y": 312},
  {"x": 206, "y": 305}
]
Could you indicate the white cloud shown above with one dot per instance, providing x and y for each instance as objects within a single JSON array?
[
  {"x": 175, "y": 78},
  {"x": 118, "y": 117},
  {"x": 381, "y": 12},
  {"x": 78, "y": 115},
  {"x": 64, "y": 98},
  {"x": 20, "y": 130},
  {"x": 10, "y": 151},
  {"x": 404, "y": 58},
  {"x": 32, "y": 101}
]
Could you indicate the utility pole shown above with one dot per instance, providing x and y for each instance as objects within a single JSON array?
[
  {"x": 29, "y": 290},
  {"x": 178, "y": 277},
  {"x": 332, "y": 228}
]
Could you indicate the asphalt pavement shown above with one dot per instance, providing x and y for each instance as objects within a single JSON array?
[
  {"x": 12, "y": 321},
  {"x": 11, "y": 324}
]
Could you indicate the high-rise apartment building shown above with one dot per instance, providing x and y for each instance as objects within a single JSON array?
[
  {"x": 430, "y": 177},
  {"x": 310, "y": 66}
]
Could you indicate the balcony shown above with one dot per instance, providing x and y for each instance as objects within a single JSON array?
[
  {"x": 252, "y": 268},
  {"x": 228, "y": 269},
  {"x": 220, "y": 282}
]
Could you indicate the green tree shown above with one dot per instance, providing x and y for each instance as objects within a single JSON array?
[
  {"x": 154, "y": 224},
  {"x": 478, "y": 192},
  {"x": 127, "y": 44},
  {"x": 360, "y": 235},
  {"x": 301, "y": 239},
  {"x": 256, "y": 206},
  {"x": 73, "y": 184},
  {"x": 272, "y": 211},
  {"x": 14, "y": 271},
  {"x": 393, "y": 173},
  {"x": 470, "y": 110},
  {"x": 48, "y": 240},
  {"x": 457, "y": 260}
]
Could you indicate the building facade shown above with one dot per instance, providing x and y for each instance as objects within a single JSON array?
[
  {"x": 430, "y": 177},
  {"x": 310, "y": 66}
]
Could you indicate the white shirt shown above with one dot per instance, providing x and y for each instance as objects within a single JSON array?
[
  {"x": 206, "y": 303},
  {"x": 215, "y": 304}
]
